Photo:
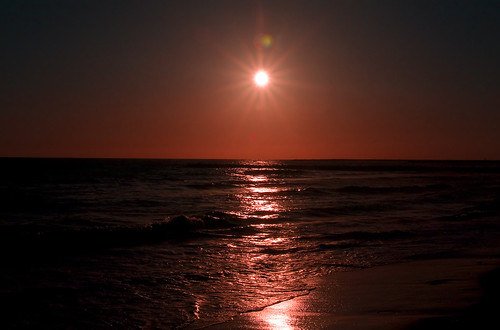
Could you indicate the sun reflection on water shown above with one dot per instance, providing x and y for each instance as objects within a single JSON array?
[
  {"x": 281, "y": 316},
  {"x": 263, "y": 258},
  {"x": 259, "y": 195},
  {"x": 257, "y": 178},
  {"x": 263, "y": 190},
  {"x": 262, "y": 239}
]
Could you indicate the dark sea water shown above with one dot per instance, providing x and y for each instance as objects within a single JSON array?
[{"x": 92, "y": 243}]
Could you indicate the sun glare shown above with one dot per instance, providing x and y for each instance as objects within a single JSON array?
[{"x": 261, "y": 78}]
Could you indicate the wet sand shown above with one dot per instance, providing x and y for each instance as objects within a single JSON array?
[{"x": 429, "y": 294}]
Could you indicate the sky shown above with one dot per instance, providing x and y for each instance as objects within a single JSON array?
[{"x": 174, "y": 79}]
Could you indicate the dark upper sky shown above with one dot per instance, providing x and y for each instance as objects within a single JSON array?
[{"x": 173, "y": 79}]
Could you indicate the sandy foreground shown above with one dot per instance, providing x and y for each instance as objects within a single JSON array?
[{"x": 452, "y": 293}]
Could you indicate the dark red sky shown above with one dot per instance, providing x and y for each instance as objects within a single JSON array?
[{"x": 173, "y": 79}]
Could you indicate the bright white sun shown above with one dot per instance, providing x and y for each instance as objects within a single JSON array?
[{"x": 261, "y": 78}]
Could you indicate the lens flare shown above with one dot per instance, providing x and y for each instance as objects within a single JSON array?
[
  {"x": 261, "y": 78},
  {"x": 263, "y": 41}
]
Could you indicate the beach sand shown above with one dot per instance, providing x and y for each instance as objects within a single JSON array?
[{"x": 428, "y": 294}]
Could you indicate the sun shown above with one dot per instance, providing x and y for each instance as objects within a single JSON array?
[{"x": 261, "y": 78}]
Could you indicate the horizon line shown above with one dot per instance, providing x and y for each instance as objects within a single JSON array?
[{"x": 254, "y": 159}]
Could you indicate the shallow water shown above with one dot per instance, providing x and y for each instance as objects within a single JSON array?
[{"x": 165, "y": 243}]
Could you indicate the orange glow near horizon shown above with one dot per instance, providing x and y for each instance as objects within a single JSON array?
[{"x": 252, "y": 80}]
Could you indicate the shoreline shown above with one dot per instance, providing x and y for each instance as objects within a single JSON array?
[{"x": 424, "y": 294}]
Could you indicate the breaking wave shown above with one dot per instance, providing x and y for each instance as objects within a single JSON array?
[{"x": 62, "y": 240}]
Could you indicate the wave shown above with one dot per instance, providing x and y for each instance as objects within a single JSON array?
[
  {"x": 275, "y": 251},
  {"x": 348, "y": 209},
  {"x": 365, "y": 236},
  {"x": 395, "y": 189},
  {"x": 336, "y": 246},
  {"x": 348, "y": 240},
  {"x": 227, "y": 184},
  {"x": 459, "y": 166},
  {"x": 19, "y": 238},
  {"x": 308, "y": 191},
  {"x": 354, "y": 190},
  {"x": 484, "y": 209}
]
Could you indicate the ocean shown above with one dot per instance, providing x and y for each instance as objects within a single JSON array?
[{"x": 139, "y": 244}]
